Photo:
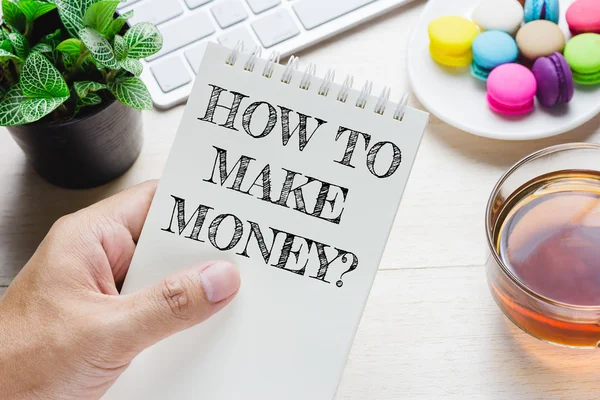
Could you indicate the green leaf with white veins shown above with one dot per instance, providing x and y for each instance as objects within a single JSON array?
[
  {"x": 99, "y": 48},
  {"x": 70, "y": 46},
  {"x": 143, "y": 40},
  {"x": 33, "y": 9},
  {"x": 19, "y": 43},
  {"x": 67, "y": 60},
  {"x": 116, "y": 26},
  {"x": 6, "y": 45},
  {"x": 133, "y": 66},
  {"x": 71, "y": 14},
  {"x": 132, "y": 92},
  {"x": 42, "y": 48},
  {"x": 35, "y": 109},
  {"x": 84, "y": 88},
  {"x": 120, "y": 47},
  {"x": 90, "y": 100},
  {"x": 5, "y": 56},
  {"x": 39, "y": 78},
  {"x": 10, "y": 108},
  {"x": 12, "y": 15},
  {"x": 100, "y": 15}
]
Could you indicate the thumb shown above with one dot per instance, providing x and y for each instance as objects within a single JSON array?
[{"x": 179, "y": 302}]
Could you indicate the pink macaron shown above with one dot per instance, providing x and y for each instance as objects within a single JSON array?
[
  {"x": 511, "y": 89},
  {"x": 583, "y": 16}
]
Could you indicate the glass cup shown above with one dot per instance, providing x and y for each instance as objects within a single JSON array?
[{"x": 545, "y": 318}]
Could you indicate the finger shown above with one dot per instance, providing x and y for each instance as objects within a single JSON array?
[
  {"x": 116, "y": 223},
  {"x": 93, "y": 247},
  {"x": 129, "y": 207},
  {"x": 178, "y": 302}
]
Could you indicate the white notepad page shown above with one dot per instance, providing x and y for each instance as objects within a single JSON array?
[{"x": 288, "y": 333}]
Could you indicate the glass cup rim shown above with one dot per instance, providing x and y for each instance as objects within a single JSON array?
[{"x": 488, "y": 211}]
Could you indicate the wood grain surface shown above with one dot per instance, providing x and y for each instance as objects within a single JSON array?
[{"x": 430, "y": 329}]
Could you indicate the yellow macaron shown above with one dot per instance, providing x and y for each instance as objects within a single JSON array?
[{"x": 450, "y": 40}]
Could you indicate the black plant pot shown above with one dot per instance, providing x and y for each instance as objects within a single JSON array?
[{"x": 85, "y": 152}]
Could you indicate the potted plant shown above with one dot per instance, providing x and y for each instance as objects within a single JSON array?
[{"x": 69, "y": 87}]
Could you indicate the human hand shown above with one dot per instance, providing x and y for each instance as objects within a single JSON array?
[{"x": 66, "y": 333}]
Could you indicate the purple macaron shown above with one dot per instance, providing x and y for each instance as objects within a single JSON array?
[{"x": 554, "y": 80}]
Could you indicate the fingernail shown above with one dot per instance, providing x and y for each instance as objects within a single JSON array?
[{"x": 219, "y": 280}]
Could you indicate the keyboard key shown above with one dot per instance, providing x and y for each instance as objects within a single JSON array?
[
  {"x": 229, "y": 12},
  {"x": 275, "y": 28},
  {"x": 170, "y": 73},
  {"x": 313, "y": 13},
  {"x": 233, "y": 36},
  {"x": 194, "y": 55},
  {"x": 126, "y": 3},
  {"x": 196, "y": 3},
  {"x": 156, "y": 11},
  {"x": 259, "y": 6},
  {"x": 184, "y": 31}
]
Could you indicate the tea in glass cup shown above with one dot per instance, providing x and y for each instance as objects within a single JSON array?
[{"x": 543, "y": 229}]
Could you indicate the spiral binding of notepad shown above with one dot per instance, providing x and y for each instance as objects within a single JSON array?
[{"x": 324, "y": 89}]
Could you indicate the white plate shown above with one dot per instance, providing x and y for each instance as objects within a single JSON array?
[{"x": 457, "y": 98}]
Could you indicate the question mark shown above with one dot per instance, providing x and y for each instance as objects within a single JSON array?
[{"x": 339, "y": 283}]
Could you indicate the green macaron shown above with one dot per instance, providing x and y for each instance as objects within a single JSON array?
[{"x": 583, "y": 55}]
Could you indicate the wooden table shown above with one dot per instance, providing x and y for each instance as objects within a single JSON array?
[{"x": 430, "y": 329}]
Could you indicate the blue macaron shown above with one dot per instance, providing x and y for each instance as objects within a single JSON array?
[
  {"x": 491, "y": 49},
  {"x": 542, "y": 9}
]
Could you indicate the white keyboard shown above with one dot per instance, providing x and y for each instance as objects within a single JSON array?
[{"x": 276, "y": 25}]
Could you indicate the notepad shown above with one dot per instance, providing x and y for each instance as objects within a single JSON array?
[{"x": 297, "y": 181}]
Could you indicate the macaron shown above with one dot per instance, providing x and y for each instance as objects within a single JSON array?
[
  {"x": 583, "y": 55},
  {"x": 540, "y": 39},
  {"x": 450, "y": 40},
  {"x": 583, "y": 16},
  {"x": 554, "y": 80},
  {"x": 491, "y": 49},
  {"x": 500, "y": 15},
  {"x": 511, "y": 89},
  {"x": 542, "y": 9}
]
